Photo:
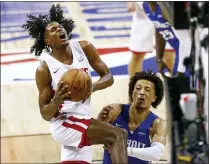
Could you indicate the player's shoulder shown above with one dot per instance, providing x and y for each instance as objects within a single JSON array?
[
  {"x": 42, "y": 70},
  {"x": 42, "y": 67},
  {"x": 158, "y": 122},
  {"x": 84, "y": 43}
]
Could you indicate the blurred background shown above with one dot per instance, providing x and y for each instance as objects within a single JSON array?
[{"x": 25, "y": 136}]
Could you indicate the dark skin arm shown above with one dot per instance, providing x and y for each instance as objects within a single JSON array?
[
  {"x": 106, "y": 78},
  {"x": 160, "y": 43},
  {"x": 49, "y": 102},
  {"x": 160, "y": 48},
  {"x": 108, "y": 114}
]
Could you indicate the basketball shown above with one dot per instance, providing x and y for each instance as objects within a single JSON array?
[{"x": 79, "y": 82}]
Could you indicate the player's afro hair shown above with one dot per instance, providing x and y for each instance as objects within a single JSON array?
[{"x": 36, "y": 27}]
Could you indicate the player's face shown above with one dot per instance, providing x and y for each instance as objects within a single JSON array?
[
  {"x": 56, "y": 35},
  {"x": 143, "y": 94}
]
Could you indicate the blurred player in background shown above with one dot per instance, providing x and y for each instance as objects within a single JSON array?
[
  {"x": 142, "y": 40},
  {"x": 178, "y": 39},
  {"x": 147, "y": 132},
  {"x": 70, "y": 122}
]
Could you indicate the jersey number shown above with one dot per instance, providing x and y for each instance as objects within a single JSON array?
[{"x": 167, "y": 34}]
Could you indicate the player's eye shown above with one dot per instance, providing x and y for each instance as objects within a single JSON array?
[
  {"x": 53, "y": 29},
  {"x": 138, "y": 88},
  {"x": 147, "y": 89}
]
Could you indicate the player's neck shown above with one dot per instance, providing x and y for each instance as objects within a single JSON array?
[
  {"x": 138, "y": 115},
  {"x": 62, "y": 53}
]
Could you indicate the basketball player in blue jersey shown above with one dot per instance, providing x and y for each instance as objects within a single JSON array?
[
  {"x": 147, "y": 132},
  {"x": 178, "y": 39},
  {"x": 142, "y": 37}
]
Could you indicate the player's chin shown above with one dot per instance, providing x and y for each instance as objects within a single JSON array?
[
  {"x": 65, "y": 43},
  {"x": 139, "y": 106}
]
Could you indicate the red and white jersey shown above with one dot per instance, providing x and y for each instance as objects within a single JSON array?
[{"x": 57, "y": 69}]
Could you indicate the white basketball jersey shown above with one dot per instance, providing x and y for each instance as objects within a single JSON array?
[{"x": 57, "y": 69}]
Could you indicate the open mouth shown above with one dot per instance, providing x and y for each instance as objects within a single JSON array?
[
  {"x": 141, "y": 99},
  {"x": 62, "y": 36}
]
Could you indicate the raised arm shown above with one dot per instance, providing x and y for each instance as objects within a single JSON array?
[
  {"x": 48, "y": 100},
  {"x": 106, "y": 78}
]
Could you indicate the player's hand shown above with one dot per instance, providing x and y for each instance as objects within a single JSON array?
[
  {"x": 108, "y": 148},
  {"x": 131, "y": 6},
  {"x": 104, "y": 115},
  {"x": 162, "y": 66},
  {"x": 61, "y": 93}
]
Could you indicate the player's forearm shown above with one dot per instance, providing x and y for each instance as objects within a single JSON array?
[
  {"x": 160, "y": 45},
  {"x": 104, "y": 82},
  {"x": 152, "y": 153},
  {"x": 49, "y": 111}
]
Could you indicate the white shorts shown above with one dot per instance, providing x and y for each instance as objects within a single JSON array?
[
  {"x": 142, "y": 36},
  {"x": 70, "y": 132},
  {"x": 73, "y": 155}
]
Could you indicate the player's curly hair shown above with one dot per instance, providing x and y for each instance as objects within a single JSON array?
[
  {"x": 150, "y": 76},
  {"x": 36, "y": 27}
]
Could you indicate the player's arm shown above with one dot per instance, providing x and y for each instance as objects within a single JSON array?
[
  {"x": 109, "y": 113},
  {"x": 153, "y": 153},
  {"x": 160, "y": 41},
  {"x": 160, "y": 46},
  {"x": 106, "y": 78},
  {"x": 48, "y": 102}
]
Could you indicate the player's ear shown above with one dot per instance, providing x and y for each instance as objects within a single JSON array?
[
  {"x": 46, "y": 42},
  {"x": 154, "y": 98},
  {"x": 132, "y": 95}
]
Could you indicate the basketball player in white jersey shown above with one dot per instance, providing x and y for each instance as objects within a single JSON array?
[
  {"x": 70, "y": 122},
  {"x": 142, "y": 40}
]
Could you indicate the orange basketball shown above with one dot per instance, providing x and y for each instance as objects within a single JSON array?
[{"x": 79, "y": 82}]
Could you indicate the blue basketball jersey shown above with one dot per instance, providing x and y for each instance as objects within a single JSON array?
[
  {"x": 165, "y": 29},
  {"x": 139, "y": 138}
]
